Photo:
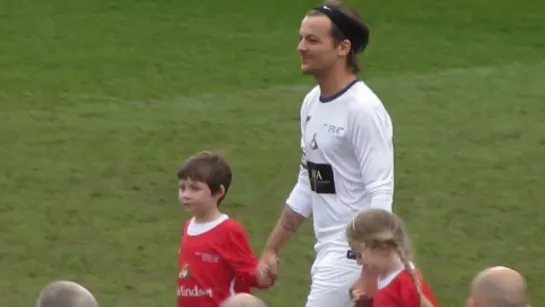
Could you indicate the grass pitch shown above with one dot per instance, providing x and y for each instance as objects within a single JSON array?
[{"x": 101, "y": 100}]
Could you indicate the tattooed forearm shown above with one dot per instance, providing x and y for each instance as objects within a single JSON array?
[
  {"x": 290, "y": 220},
  {"x": 287, "y": 224}
]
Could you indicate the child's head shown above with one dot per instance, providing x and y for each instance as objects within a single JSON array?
[
  {"x": 204, "y": 179},
  {"x": 379, "y": 239}
]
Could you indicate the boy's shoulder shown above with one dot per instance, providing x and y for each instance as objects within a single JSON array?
[
  {"x": 233, "y": 225},
  {"x": 186, "y": 224}
]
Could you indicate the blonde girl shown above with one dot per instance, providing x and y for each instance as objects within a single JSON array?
[{"x": 380, "y": 242}]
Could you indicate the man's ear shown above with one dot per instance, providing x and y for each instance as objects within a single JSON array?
[{"x": 344, "y": 48}]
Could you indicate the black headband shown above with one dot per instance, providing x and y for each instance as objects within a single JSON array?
[{"x": 357, "y": 34}]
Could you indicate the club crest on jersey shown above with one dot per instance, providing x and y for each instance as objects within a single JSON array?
[
  {"x": 184, "y": 271},
  {"x": 313, "y": 143}
]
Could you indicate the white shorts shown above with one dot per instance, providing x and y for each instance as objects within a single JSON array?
[{"x": 332, "y": 276}]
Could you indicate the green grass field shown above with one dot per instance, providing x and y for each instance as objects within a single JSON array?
[{"x": 101, "y": 100}]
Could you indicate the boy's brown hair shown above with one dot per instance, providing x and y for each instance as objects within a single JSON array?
[{"x": 210, "y": 168}]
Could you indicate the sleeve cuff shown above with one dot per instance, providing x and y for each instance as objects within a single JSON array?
[{"x": 299, "y": 202}]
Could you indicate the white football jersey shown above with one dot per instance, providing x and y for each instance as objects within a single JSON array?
[{"x": 347, "y": 161}]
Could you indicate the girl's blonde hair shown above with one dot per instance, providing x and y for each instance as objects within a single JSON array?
[{"x": 374, "y": 227}]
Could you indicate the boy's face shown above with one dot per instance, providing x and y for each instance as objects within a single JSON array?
[{"x": 196, "y": 196}]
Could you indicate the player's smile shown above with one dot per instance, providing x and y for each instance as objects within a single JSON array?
[
  {"x": 304, "y": 55},
  {"x": 305, "y": 59}
]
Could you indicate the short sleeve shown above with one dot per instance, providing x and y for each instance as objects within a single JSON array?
[{"x": 238, "y": 253}]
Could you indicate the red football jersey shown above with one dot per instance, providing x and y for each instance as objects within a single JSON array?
[
  {"x": 215, "y": 261},
  {"x": 398, "y": 290}
]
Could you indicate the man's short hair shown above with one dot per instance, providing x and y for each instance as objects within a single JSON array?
[
  {"x": 65, "y": 293},
  {"x": 499, "y": 287},
  {"x": 338, "y": 36}
]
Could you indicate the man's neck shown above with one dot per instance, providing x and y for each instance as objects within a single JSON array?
[{"x": 334, "y": 81}]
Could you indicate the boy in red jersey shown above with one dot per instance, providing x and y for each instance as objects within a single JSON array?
[
  {"x": 380, "y": 241},
  {"x": 215, "y": 257}
]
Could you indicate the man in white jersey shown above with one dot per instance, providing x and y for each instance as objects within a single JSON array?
[{"x": 347, "y": 154}]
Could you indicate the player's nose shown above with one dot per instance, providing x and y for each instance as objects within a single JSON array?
[
  {"x": 185, "y": 198},
  {"x": 301, "y": 47}
]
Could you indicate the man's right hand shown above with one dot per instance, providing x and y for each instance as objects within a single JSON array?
[
  {"x": 267, "y": 268},
  {"x": 364, "y": 289},
  {"x": 287, "y": 224}
]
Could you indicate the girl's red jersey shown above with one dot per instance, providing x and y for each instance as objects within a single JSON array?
[
  {"x": 398, "y": 290},
  {"x": 215, "y": 261}
]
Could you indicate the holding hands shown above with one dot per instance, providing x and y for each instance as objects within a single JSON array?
[
  {"x": 364, "y": 289},
  {"x": 267, "y": 268}
]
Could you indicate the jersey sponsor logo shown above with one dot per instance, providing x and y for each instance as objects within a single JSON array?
[
  {"x": 335, "y": 130},
  {"x": 321, "y": 178},
  {"x": 207, "y": 257},
  {"x": 194, "y": 291}
]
